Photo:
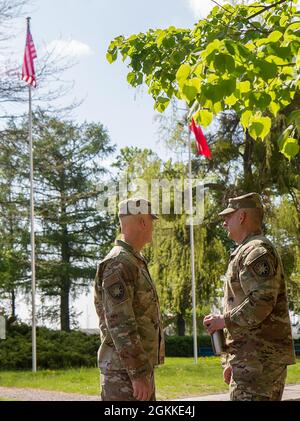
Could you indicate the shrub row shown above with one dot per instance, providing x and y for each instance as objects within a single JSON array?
[{"x": 56, "y": 349}]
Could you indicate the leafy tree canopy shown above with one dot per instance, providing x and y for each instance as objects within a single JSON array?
[{"x": 243, "y": 58}]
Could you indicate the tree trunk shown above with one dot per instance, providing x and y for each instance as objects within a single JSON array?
[
  {"x": 180, "y": 322},
  {"x": 13, "y": 304},
  {"x": 247, "y": 162},
  {"x": 64, "y": 310},
  {"x": 65, "y": 284},
  {"x": 65, "y": 277}
]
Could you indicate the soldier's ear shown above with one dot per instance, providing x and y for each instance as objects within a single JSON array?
[{"x": 242, "y": 216}]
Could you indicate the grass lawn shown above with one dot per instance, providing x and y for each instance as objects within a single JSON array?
[{"x": 178, "y": 377}]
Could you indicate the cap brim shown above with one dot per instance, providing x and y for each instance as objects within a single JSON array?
[{"x": 227, "y": 211}]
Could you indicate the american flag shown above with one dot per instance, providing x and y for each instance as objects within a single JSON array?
[{"x": 28, "y": 74}]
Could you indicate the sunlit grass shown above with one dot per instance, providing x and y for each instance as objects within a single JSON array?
[{"x": 178, "y": 377}]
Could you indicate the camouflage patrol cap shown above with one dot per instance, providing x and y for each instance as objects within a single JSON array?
[
  {"x": 135, "y": 206},
  {"x": 247, "y": 201}
]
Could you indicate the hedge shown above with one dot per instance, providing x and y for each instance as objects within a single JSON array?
[
  {"x": 183, "y": 346},
  {"x": 56, "y": 349}
]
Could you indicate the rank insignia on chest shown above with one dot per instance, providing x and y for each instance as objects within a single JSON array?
[{"x": 262, "y": 268}]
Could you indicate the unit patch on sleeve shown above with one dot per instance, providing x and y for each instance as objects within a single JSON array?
[
  {"x": 117, "y": 291},
  {"x": 262, "y": 268}
]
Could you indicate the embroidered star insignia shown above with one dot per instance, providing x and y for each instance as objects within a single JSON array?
[{"x": 262, "y": 268}]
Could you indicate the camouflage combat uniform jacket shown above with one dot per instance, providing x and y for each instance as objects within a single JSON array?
[
  {"x": 127, "y": 304},
  {"x": 257, "y": 325}
]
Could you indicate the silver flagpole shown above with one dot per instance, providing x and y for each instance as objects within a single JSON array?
[
  {"x": 192, "y": 250},
  {"x": 32, "y": 240}
]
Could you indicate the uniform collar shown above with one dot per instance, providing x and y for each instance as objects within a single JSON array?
[
  {"x": 246, "y": 240},
  {"x": 249, "y": 237},
  {"x": 130, "y": 249}
]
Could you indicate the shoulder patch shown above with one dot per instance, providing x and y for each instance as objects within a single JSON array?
[
  {"x": 115, "y": 287},
  {"x": 262, "y": 267}
]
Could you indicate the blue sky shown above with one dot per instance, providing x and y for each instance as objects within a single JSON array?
[{"x": 82, "y": 30}]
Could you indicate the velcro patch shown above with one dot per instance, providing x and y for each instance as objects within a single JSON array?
[
  {"x": 115, "y": 287},
  {"x": 263, "y": 268},
  {"x": 117, "y": 291}
]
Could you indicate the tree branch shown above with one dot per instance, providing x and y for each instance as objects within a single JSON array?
[
  {"x": 222, "y": 7},
  {"x": 270, "y": 6}
]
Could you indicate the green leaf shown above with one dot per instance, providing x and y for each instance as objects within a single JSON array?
[
  {"x": 260, "y": 99},
  {"x": 223, "y": 63},
  {"x": 294, "y": 117},
  {"x": 215, "y": 93},
  {"x": 266, "y": 69},
  {"x": 284, "y": 135},
  {"x": 111, "y": 56},
  {"x": 274, "y": 36},
  {"x": 228, "y": 86},
  {"x": 160, "y": 38},
  {"x": 190, "y": 89},
  {"x": 255, "y": 129},
  {"x": 183, "y": 72},
  {"x": 274, "y": 107},
  {"x": 283, "y": 21},
  {"x": 260, "y": 127},
  {"x": 161, "y": 104},
  {"x": 135, "y": 78},
  {"x": 245, "y": 118},
  {"x": 293, "y": 27},
  {"x": 243, "y": 51},
  {"x": 203, "y": 117},
  {"x": 217, "y": 107},
  {"x": 244, "y": 87},
  {"x": 211, "y": 47},
  {"x": 290, "y": 148},
  {"x": 131, "y": 77},
  {"x": 231, "y": 100},
  {"x": 277, "y": 60},
  {"x": 230, "y": 47}
]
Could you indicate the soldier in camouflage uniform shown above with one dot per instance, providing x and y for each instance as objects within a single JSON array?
[
  {"x": 127, "y": 304},
  {"x": 256, "y": 323}
]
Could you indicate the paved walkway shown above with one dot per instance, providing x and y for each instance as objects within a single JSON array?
[
  {"x": 291, "y": 393},
  {"x": 42, "y": 395}
]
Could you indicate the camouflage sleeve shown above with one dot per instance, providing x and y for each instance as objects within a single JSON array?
[
  {"x": 260, "y": 285},
  {"x": 118, "y": 295}
]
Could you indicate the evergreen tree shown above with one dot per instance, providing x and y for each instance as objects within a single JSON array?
[
  {"x": 71, "y": 232},
  {"x": 14, "y": 218}
]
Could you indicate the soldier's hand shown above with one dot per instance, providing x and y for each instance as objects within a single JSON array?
[
  {"x": 142, "y": 388},
  {"x": 213, "y": 323},
  {"x": 227, "y": 373}
]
